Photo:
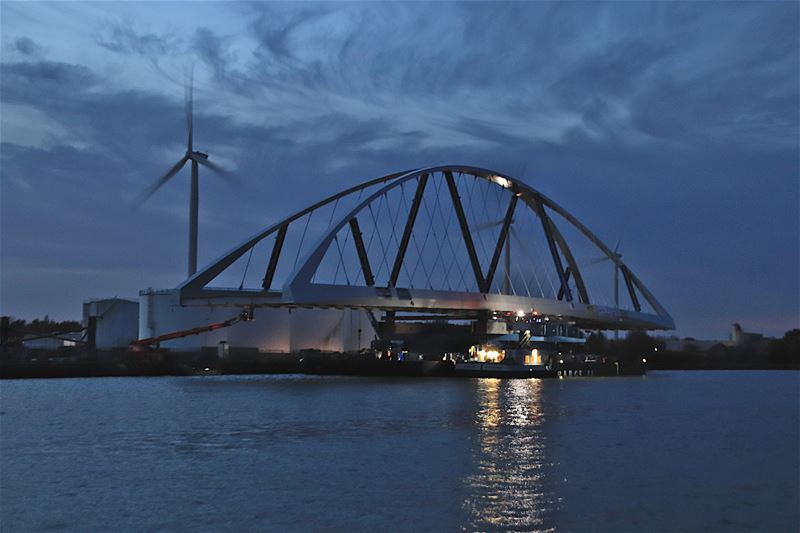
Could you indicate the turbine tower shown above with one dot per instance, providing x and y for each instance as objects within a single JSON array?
[{"x": 197, "y": 158}]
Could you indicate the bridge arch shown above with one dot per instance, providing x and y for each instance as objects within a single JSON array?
[{"x": 570, "y": 296}]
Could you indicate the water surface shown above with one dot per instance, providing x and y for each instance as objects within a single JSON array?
[{"x": 685, "y": 451}]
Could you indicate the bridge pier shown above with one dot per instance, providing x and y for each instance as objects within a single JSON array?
[
  {"x": 482, "y": 323},
  {"x": 387, "y": 327}
]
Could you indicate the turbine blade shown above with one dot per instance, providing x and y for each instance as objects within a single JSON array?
[
  {"x": 216, "y": 168},
  {"x": 515, "y": 235},
  {"x": 599, "y": 260},
  {"x": 189, "y": 101},
  {"x": 487, "y": 225},
  {"x": 147, "y": 193}
]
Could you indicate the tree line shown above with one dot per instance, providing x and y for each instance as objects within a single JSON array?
[
  {"x": 19, "y": 328},
  {"x": 782, "y": 352}
]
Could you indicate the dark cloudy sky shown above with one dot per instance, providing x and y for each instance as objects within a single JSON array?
[{"x": 672, "y": 124}]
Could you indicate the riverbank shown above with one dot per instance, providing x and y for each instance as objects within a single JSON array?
[{"x": 121, "y": 363}]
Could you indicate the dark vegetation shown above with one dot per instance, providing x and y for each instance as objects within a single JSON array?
[
  {"x": 19, "y": 328},
  {"x": 782, "y": 353}
]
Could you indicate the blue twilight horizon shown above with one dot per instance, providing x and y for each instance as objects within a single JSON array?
[{"x": 672, "y": 124}]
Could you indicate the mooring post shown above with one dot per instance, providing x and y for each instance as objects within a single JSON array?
[
  {"x": 91, "y": 336},
  {"x": 388, "y": 326},
  {"x": 482, "y": 324},
  {"x": 4, "y": 321}
]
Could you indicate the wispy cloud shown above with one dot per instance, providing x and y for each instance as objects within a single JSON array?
[{"x": 124, "y": 39}]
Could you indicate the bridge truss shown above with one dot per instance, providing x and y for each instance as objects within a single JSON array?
[{"x": 440, "y": 242}]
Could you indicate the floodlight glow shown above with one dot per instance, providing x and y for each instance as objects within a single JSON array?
[{"x": 501, "y": 181}]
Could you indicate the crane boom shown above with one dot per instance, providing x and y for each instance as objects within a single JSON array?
[{"x": 246, "y": 315}]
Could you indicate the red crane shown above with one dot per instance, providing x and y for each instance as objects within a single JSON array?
[{"x": 152, "y": 342}]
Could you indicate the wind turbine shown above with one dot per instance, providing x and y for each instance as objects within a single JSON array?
[
  {"x": 197, "y": 158},
  {"x": 506, "y": 287},
  {"x": 616, "y": 275},
  {"x": 616, "y": 269}
]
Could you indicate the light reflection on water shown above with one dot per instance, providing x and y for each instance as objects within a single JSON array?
[{"x": 507, "y": 490}]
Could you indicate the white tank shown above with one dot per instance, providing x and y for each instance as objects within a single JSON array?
[
  {"x": 117, "y": 321},
  {"x": 273, "y": 330}
]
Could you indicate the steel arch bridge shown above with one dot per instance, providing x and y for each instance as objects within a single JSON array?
[{"x": 447, "y": 242}]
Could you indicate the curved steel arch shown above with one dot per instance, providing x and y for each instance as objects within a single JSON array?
[
  {"x": 299, "y": 289},
  {"x": 206, "y": 275}
]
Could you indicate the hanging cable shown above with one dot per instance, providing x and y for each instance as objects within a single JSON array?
[
  {"x": 335, "y": 205},
  {"x": 303, "y": 238},
  {"x": 341, "y": 262},
  {"x": 246, "y": 266},
  {"x": 380, "y": 239}
]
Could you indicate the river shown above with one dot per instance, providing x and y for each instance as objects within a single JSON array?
[{"x": 670, "y": 451}]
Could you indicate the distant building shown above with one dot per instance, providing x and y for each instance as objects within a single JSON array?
[
  {"x": 676, "y": 344},
  {"x": 751, "y": 341},
  {"x": 740, "y": 338},
  {"x": 53, "y": 343},
  {"x": 754, "y": 342},
  {"x": 117, "y": 321}
]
